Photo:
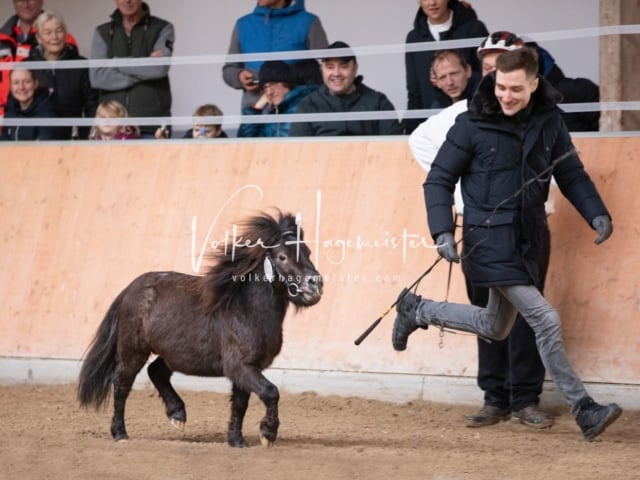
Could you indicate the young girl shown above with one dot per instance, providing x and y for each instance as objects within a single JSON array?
[{"x": 113, "y": 109}]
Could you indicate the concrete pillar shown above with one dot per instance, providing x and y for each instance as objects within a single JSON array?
[{"x": 619, "y": 64}]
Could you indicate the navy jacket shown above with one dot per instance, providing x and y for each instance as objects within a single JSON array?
[
  {"x": 573, "y": 90},
  {"x": 495, "y": 157},
  {"x": 362, "y": 99},
  {"x": 420, "y": 92},
  {"x": 41, "y": 107}
]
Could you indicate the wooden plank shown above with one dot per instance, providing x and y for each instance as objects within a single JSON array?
[{"x": 80, "y": 221}]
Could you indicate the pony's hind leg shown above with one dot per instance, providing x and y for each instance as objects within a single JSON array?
[
  {"x": 160, "y": 375},
  {"x": 239, "y": 404},
  {"x": 122, "y": 383}
]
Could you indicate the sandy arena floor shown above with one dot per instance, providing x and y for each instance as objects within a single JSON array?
[{"x": 47, "y": 436}]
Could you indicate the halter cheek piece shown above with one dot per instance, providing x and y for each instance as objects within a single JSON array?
[{"x": 270, "y": 271}]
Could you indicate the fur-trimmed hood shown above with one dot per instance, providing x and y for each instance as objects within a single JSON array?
[{"x": 484, "y": 104}]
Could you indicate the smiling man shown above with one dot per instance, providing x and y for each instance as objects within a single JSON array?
[
  {"x": 343, "y": 91},
  {"x": 504, "y": 150}
]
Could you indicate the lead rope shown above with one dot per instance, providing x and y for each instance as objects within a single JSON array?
[{"x": 446, "y": 299}]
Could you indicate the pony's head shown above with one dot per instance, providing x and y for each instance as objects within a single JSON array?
[
  {"x": 287, "y": 262},
  {"x": 271, "y": 251}
]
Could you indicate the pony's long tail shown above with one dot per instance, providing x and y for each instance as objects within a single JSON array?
[{"x": 96, "y": 374}]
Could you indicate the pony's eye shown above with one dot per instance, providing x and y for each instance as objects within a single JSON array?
[{"x": 282, "y": 257}]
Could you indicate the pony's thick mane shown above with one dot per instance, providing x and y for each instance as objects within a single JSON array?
[{"x": 220, "y": 283}]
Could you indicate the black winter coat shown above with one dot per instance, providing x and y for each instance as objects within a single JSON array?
[
  {"x": 421, "y": 94},
  {"x": 495, "y": 156},
  {"x": 69, "y": 88},
  {"x": 362, "y": 99},
  {"x": 41, "y": 107}
]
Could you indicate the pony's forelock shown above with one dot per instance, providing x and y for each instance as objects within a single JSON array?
[{"x": 258, "y": 231}]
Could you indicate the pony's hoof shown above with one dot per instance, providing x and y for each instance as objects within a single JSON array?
[
  {"x": 238, "y": 443},
  {"x": 265, "y": 442},
  {"x": 179, "y": 424}
]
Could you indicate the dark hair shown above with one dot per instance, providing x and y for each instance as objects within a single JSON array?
[
  {"x": 307, "y": 72},
  {"x": 440, "y": 54},
  {"x": 276, "y": 71},
  {"x": 345, "y": 57},
  {"x": 524, "y": 58}
]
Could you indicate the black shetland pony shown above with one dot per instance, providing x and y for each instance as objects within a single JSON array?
[{"x": 226, "y": 323}]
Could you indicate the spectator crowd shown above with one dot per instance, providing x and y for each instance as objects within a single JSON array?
[{"x": 333, "y": 84}]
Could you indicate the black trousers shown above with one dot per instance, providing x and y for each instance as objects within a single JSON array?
[{"x": 510, "y": 371}]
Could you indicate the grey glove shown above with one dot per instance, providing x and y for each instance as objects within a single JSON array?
[
  {"x": 447, "y": 247},
  {"x": 602, "y": 224}
]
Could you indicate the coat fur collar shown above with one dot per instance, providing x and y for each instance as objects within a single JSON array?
[{"x": 484, "y": 104}]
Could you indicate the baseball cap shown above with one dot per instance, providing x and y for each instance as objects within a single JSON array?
[{"x": 347, "y": 56}]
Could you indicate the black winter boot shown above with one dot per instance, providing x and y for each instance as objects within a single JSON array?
[
  {"x": 593, "y": 418},
  {"x": 406, "y": 322}
]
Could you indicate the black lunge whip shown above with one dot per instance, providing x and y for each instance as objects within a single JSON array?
[{"x": 366, "y": 333}]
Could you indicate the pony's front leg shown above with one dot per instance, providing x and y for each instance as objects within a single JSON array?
[
  {"x": 250, "y": 379},
  {"x": 239, "y": 404},
  {"x": 270, "y": 422}
]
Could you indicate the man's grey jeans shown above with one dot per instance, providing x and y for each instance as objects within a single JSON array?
[{"x": 495, "y": 322}]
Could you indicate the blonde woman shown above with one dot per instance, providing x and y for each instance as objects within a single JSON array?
[{"x": 108, "y": 109}]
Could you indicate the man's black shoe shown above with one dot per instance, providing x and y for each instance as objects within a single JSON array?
[
  {"x": 405, "y": 323},
  {"x": 487, "y": 415},
  {"x": 593, "y": 418}
]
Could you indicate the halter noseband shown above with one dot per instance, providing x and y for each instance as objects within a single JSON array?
[{"x": 293, "y": 289}]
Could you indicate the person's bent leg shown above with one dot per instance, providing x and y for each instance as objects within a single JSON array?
[
  {"x": 591, "y": 417},
  {"x": 545, "y": 322},
  {"x": 493, "y": 322}
]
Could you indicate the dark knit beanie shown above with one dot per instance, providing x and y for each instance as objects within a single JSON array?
[{"x": 275, "y": 71}]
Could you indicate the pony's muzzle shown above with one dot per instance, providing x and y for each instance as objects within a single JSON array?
[{"x": 316, "y": 283}]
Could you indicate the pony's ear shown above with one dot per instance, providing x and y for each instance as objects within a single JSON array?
[{"x": 288, "y": 223}]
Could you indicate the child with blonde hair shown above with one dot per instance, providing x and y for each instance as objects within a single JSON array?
[{"x": 113, "y": 109}]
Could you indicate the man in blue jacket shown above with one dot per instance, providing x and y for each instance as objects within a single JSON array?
[
  {"x": 504, "y": 190},
  {"x": 273, "y": 26}
]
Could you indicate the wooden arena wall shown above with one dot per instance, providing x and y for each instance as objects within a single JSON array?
[{"x": 80, "y": 221}]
